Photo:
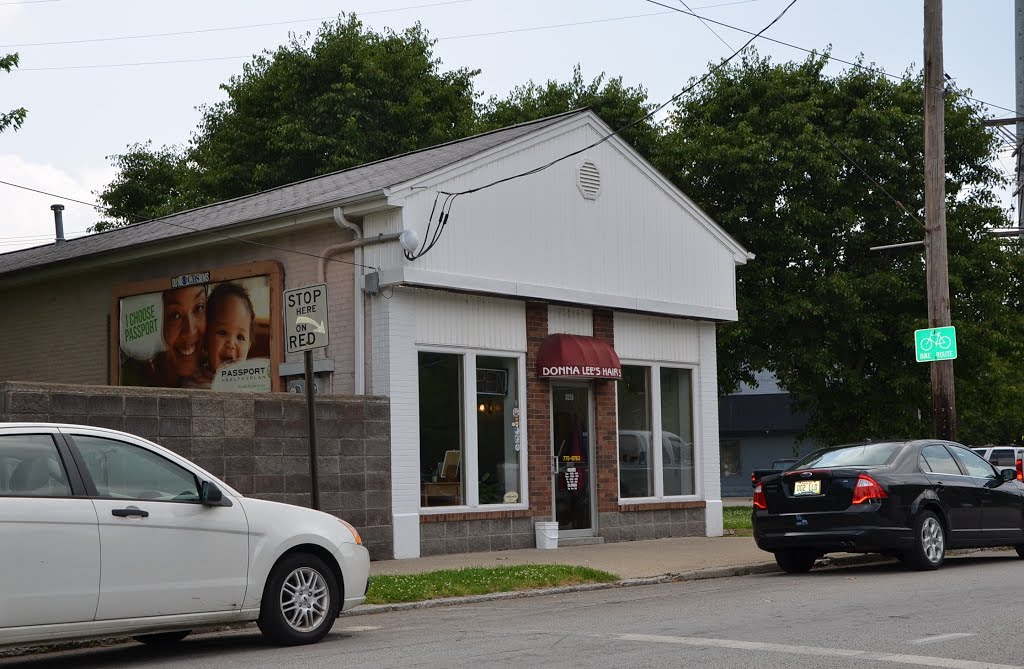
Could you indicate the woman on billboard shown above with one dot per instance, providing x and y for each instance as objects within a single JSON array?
[{"x": 182, "y": 332}]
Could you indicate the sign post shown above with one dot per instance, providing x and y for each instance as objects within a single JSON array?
[
  {"x": 935, "y": 344},
  {"x": 306, "y": 328}
]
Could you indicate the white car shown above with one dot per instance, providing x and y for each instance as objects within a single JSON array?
[{"x": 104, "y": 533}]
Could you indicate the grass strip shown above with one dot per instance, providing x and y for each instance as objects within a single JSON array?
[
  {"x": 736, "y": 517},
  {"x": 396, "y": 588}
]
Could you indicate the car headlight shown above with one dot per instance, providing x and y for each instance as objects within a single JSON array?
[{"x": 353, "y": 530}]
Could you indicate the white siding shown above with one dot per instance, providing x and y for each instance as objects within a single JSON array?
[
  {"x": 395, "y": 375},
  {"x": 652, "y": 338},
  {"x": 707, "y": 408},
  {"x": 639, "y": 246},
  {"x": 453, "y": 319},
  {"x": 570, "y": 320}
]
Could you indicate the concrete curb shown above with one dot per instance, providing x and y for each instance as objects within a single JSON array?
[{"x": 694, "y": 575}]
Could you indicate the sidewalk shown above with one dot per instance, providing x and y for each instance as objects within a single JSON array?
[{"x": 626, "y": 559}]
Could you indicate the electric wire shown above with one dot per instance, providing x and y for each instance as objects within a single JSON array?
[
  {"x": 830, "y": 56},
  {"x": 201, "y": 31},
  {"x": 212, "y": 233},
  {"x": 435, "y": 230}
]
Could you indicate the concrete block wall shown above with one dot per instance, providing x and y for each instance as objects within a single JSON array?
[
  {"x": 256, "y": 443},
  {"x": 643, "y": 524}
]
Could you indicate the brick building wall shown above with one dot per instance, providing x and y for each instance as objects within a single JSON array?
[
  {"x": 538, "y": 412},
  {"x": 256, "y": 443}
]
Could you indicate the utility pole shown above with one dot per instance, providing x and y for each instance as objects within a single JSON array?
[
  {"x": 1019, "y": 135},
  {"x": 943, "y": 397}
]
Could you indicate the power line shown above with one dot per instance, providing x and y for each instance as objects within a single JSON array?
[
  {"x": 830, "y": 56},
  {"x": 707, "y": 25},
  {"x": 164, "y": 221},
  {"x": 435, "y": 230},
  {"x": 200, "y": 31}
]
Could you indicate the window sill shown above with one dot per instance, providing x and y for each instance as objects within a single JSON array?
[
  {"x": 465, "y": 513},
  {"x": 665, "y": 503}
]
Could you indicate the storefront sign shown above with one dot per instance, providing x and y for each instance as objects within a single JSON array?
[
  {"x": 581, "y": 372},
  {"x": 567, "y": 356}
]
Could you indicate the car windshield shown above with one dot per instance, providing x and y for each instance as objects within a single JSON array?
[{"x": 859, "y": 455}]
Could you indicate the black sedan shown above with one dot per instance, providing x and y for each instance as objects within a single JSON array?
[{"x": 908, "y": 499}]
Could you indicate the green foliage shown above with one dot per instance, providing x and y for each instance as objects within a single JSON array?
[
  {"x": 390, "y": 589},
  {"x": 614, "y": 102},
  {"x": 737, "y": 517},
  {"x": 16, "y": 117},
  {"x": 831, "y": 318},
  {"x": 316, "y": 105},
  {"x": 150, "y": 183}
]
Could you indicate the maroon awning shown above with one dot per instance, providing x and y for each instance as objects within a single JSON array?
[{"x": 566, "y": 356}]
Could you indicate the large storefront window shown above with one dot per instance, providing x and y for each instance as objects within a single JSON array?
[
  {"x": 677, "y": 431},
  {"x": 636, "y": 461},
  {"x": 441, "y": 442},
  {"x": 470, "y": 455},
  {"x": 497, "y": 429},
  {"x": 662, "y": 397}
]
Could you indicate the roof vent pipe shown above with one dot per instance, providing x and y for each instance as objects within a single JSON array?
[{"x": 58, "y": 221}]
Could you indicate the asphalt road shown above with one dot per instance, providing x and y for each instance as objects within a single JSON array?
[{"x": 968, "y": 615}]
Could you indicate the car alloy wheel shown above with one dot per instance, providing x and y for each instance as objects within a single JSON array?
[
  {"x": 929, "y": 549},
  {"x": 301, "y": 599},
  {"x": 305, "y": 599}
]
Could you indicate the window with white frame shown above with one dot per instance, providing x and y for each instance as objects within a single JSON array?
[
  {"x": 655, "y": 406},
  {"x": 471, "y": 436}
]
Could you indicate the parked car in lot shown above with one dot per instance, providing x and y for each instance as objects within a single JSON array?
[
  {"x": 779, "y": 465},
  {"x": 912, "y": 499},
  {"x": 105, "y": 533}
]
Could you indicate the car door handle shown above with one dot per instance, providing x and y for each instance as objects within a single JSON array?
[{"x": 130, "y": 511}]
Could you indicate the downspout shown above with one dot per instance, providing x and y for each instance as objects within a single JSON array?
[
  {"x": 356, "y": 245},
  {"x": 358, "y": 307}
]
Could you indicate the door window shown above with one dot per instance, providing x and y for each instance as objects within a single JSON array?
[
  {"x": 974, "y": 464},
  {"x": 937, "y": 460},
  {"x": 30, "y": 466},
  {"x": 570, "y": 406},
  {"x": 125, "y": 471}
]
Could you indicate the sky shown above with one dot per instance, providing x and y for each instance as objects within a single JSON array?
[{"x": 100, "y": 75}]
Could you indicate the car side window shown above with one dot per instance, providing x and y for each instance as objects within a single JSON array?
[
  {"x": 974, "y": 464},
  {"x": 938, "y": 460},
  {"x": 30, "y": 466},
  {"x": 126, "y": 471}
]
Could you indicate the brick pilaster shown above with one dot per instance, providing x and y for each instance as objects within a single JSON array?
[
  {"x": 606, "y": 423},
  {"x": 538, "y": 413}
]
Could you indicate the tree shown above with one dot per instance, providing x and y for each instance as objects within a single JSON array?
[
  {"x": 756, "y": 146},
  {"x": 16, "y": 117},
  {"x": 615, "y": 103},
  {"x": 316, "y": 105}
]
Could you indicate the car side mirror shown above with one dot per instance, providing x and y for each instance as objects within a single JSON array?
[
  {"x": 1007, "y": 475},
  {"x": 211, "y": 495}
]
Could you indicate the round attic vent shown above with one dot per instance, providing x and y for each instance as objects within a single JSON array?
[{"x": 589, "y": 180}]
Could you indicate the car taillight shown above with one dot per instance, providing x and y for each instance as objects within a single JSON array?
[
  {"x": 867, "y": 489},
  {"x": 759, "y": 501},
  {"x": 1020, "y": 469}
]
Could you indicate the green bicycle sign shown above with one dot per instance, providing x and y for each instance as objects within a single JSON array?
[{"x": 935, "y": 344}]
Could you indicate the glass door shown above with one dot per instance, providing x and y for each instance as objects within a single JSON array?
[{"x": 570, "y": 410}]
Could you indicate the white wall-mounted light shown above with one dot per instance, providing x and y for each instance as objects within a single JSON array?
[{"x": 408, "y": 240}]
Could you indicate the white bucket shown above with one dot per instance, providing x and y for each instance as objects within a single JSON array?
[{"x": 547, "y": 534}]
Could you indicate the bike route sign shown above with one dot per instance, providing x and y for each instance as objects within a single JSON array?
[{"x": 935, "y": 344}]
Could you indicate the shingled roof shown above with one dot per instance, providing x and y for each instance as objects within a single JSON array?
[{"x": 319, "y": 191}]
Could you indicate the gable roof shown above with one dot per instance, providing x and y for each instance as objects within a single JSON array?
[{"x": 364, "y": 180}]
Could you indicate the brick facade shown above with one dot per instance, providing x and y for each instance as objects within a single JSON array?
[
  {"x": 606, "y": 425},
  {"x": 256, "y": 443},
  {"x": 538, "y": 413}
]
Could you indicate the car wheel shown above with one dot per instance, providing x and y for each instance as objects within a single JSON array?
[
  {"x": 929, "y": 549},
  {"x": 300, "y": 601},
  {"x": 795, "y": 561},
  {"x": 162, "y": 638}
]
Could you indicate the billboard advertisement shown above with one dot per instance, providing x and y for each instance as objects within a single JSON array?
[{"x": 212, "y": 329}]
